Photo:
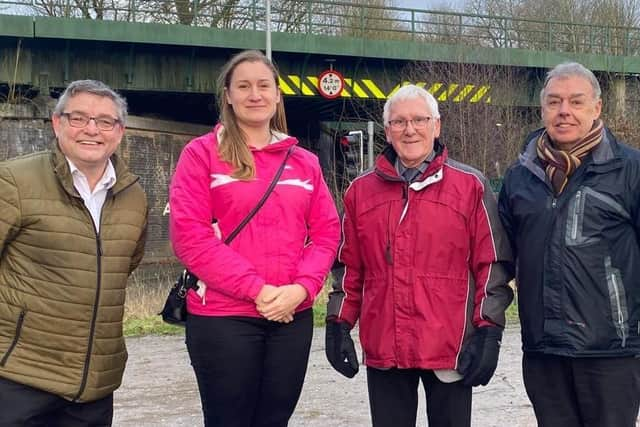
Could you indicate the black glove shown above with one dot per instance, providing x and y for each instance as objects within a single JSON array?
[
  {"x": 479, "y": 360},
  {"x": 339, "y": 348}
]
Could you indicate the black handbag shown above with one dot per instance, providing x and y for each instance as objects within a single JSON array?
[{"x": 175, "y": 307}]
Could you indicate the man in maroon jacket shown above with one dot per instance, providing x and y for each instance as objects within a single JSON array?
[{"x": 426, "y": 271}]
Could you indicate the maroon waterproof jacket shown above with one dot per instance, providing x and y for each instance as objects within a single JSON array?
[{"x": 424, "y": 263}]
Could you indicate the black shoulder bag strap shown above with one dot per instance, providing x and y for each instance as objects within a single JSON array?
[
  {"x": 191, "y": 281},
  {"x": 174, "y": 310},
  {"x": 250, "y": 215}
]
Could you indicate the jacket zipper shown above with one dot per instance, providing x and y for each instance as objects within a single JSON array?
[
  {"x": 405, "y": 197},
  {"x": 576, "y": 214},
  {"x": 620, "y": 322},
  {"x": 92, "y": 329},
  {"x": 387, "y": 251},
  {"x": 554, "y": 202},
  {"x": 16, "y": 337}
]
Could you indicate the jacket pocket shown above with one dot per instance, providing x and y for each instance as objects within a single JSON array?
[
  {"x": 16, "y": 338},
  {"x": 586, "y": 208},
  {"x": 618, "y": 301}
]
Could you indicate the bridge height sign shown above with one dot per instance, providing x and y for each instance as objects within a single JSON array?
[{"x": 330, "y": 84}]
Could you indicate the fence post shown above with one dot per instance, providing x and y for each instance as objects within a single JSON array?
[
  {"x": 627, "y": 35},
  {"x": 309, "y": 17},
  {"x": 195, "y": 13},
  {"x": 505, "y": 33},
  {"x": 413, "y": 25},
  {"x": 254, "y": 16}
]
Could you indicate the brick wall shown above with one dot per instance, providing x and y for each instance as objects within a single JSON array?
[{"x": 151, "y": 149}]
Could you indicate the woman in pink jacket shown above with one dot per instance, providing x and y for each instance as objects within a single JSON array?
[{"x": 250, "y": 325}]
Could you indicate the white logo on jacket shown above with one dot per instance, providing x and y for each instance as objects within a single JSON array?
[
  {"x": 297, "y": 183},
  {"x": 218, "y": 179}
]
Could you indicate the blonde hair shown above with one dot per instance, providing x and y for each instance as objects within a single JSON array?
[{"x": 234, "y": 149}]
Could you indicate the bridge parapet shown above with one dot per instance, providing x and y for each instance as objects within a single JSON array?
[
  {"x": 178, "y": 46},
  {"x": 343, "y": 19}
]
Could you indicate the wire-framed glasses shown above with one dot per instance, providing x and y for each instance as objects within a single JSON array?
[
  {"x": 419, "y": 122},
  {"x": 79, "y": 120}
]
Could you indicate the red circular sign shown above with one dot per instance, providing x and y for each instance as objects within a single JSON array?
[{"x": 330, "y": 84}]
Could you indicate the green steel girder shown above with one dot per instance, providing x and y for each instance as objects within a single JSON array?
[
  {"x": 404, "y": 50},
  {"x": 178, "y": 58},
  {"x": 16, "y": 26},
  {"x": 153, "y": 33}
]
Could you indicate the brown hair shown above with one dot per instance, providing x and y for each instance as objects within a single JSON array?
[{"x": 234, "y": 150}]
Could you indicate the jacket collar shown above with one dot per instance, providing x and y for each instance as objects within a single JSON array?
[
  {"x": 279, "y": 141},
  {"x": 529, "y": 157},
  {"x": 605, "y": 152},
  {"x": 385, "y": 166},
  {"x": 124, "y": 178}
]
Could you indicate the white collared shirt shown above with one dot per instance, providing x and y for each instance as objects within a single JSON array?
[{"x": 93, "y": 200}]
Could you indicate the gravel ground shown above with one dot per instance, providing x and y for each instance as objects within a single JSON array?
[{"x": 159, "y": 389}]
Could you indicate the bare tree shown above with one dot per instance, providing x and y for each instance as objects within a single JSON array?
[
  {"x": 591, "y": 26},
  {"x": 487, "y": 134},
  {"x": 373, "y": 19}
]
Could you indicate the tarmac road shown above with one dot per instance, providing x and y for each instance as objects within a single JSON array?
[{"x": 159, "y": 389}]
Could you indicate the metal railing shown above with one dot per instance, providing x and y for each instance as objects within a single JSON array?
[{"x": 350, "y": 20}]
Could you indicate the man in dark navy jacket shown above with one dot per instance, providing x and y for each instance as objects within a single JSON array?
[{"x": 571, "y": 207}]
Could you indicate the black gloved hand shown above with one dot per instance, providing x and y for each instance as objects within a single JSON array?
[
  {"x": 339, "y": 348},
  {"x": 479, "y": 360}
]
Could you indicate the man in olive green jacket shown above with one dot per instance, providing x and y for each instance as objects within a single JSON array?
[{"x": 72, "y": 229}]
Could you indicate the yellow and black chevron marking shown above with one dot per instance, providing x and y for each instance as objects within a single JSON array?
[{"x": 368, "y": 89}]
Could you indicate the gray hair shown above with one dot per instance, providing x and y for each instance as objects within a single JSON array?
[
  {"x": 571, "y": 69},
  {"x": 93, "y": 87},
  {"x": 410, "y": 92}
]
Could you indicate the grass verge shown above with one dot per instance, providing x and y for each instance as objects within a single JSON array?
[
  {"x": 145, "y": 301},
  {"x": 512, "y": 314}
]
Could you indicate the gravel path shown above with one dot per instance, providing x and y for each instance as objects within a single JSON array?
[{"x": 159, "y": 390}]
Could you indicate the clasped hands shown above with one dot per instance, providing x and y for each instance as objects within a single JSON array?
[{"x": 278, "y": 303}]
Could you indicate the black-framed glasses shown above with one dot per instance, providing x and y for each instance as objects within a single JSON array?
[
  {"x": 417, "y": 123},
  {"x": 79, "y": 120}
]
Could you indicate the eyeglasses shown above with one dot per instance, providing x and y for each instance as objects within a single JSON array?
[
  {"x": 416, "y": 122},
  {"x": 79, "y": 120}
]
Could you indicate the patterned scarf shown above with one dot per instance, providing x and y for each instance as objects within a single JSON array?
[{"x": 559, "y": 165}]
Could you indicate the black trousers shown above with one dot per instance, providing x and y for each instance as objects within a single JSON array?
[
  {"x": 583, "y": 392},
  {"x": 23, "y": 406},
  {"x": 250, "y": 371},
  {"x": 393, "y": 398}
]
